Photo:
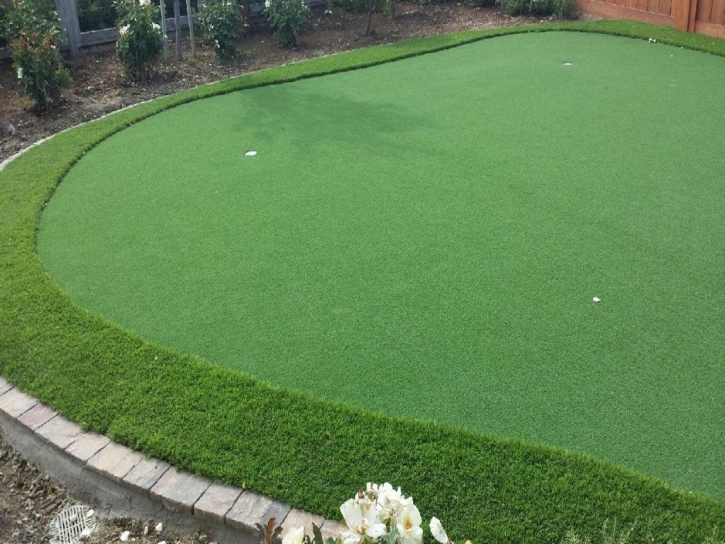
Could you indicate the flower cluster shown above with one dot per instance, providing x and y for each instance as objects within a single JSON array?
[
  {"x": 222, "y": 24},
  {"x": 379, "y": 514},
  {"x": 140, "y": 40}
]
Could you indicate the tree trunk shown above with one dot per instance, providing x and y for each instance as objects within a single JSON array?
[{"x": 370, "y": 19}]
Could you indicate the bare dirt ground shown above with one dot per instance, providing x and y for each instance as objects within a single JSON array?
[
  {"x": 99, "y": 86},
  {"x": 29, "y": 500}
]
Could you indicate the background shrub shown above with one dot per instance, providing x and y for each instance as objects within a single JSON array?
[
  {"x": 96, "y": 14},
  {"x": 5, "y": 7},
  {"x": 140, "y": 40},
  {"x": 222, "y": 24},
  {"x": 286, "y": 18},
  {"x": 564, "y": 9},
  {"x": 34, "y": 36},
  {"x": 372, "y": 6}
]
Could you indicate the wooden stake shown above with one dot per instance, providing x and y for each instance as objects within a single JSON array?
[
  {"x": 177, "y": 27},
  {"x": 190, "y": 17},
  {"x": 162, "y": 7}
]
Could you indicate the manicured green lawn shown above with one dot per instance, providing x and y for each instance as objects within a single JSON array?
[
  {"x": 425, "y": 238},
  {"x": 422, "y": 238}
]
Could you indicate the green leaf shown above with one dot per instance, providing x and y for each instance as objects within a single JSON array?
[{"x": 318, "y": 534}]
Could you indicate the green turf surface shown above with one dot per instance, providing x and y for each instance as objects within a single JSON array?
[
  {"x": 291, "y": 446},
  {"x": 425, "y": 238}
]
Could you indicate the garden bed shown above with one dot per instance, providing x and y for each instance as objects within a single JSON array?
[{"x": 99, "y": 87}]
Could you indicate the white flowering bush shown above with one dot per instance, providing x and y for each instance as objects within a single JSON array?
[
  {"x": 286, "y": 18},
  {"x": 140, "y": 40},
  {"x": 222, "y": 24},
  {"x": 380, "y": 514},
  {"x": 34, "y": 34}
]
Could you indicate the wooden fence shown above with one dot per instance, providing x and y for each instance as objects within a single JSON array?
[
  {"x": 701, "y": 16},
  {"x": 76, "y": 40}
]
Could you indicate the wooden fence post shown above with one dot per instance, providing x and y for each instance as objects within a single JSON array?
[
  {"x": 684, "y": 12},
  {"x": 68, "y": 15},
  {"x": 162, "y": 7},
  {"x": 694, "y": 4}
]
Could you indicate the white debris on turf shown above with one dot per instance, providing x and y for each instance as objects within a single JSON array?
[
  {"x": 596, "y": 299},
  {"x": 250, "y": 153}
]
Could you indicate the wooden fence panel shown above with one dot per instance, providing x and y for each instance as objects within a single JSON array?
[
  {"x": 645, "y": 11},
  {"x": 665, "y": 8},
  {"x": 702, "y": 16},
  {"x": 68, "y": 15},
  {"x": 717, "y": 16},
  {"x": 704, "y": 9}
]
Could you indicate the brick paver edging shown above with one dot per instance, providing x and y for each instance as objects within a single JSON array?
[{"x": 177, "y": 491}]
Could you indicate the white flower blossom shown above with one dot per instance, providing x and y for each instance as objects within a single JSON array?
[
  {"x": 391, "y": 499},
  {"x": 20, "y": 73},
  {"x": 361, "y": 517},
  {"x": 123, "y": 30},
  {"x": 144, "y": 2},
  {"x": 294, "y": 536},
  {"x": 349, "y": 537},
  {"x": 156, "y": 27},
  {"x": 408, "y": 525},
  {"x": 436, "y": 529}
]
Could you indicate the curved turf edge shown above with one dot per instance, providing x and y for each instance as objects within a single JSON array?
[{"x": 310, "y": 453}]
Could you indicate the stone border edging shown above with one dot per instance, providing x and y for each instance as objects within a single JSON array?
[{"x": 178, "y": 492}]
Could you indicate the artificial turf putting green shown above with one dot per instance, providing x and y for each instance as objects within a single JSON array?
[{"x": 425, "y": 237}]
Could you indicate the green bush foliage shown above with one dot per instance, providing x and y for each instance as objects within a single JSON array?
[
  {"x": 222, "y": 24},
  {"x": 564, "y": 9},
  {"x": 286, "y": 18},
  {"x": 96, "y": 14},
  {"x": 35, "y": 36},
  {"x": 140, "y": 40},
  {"x": 5, "y": 7}
]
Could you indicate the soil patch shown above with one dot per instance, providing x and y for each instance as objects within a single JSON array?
[{"x": 30, "y": 499}]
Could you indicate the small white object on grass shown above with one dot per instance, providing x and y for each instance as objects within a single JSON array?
[
  {"x": 125, "y": 535},
  {"x": 596, "y": 299},
  {"x": 567, "y": 63},
  {"x": 250, "y": 153},
  {"x": 159, "y": 527}
]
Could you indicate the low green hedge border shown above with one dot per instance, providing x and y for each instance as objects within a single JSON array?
[{"x": 307, "y": 452}]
